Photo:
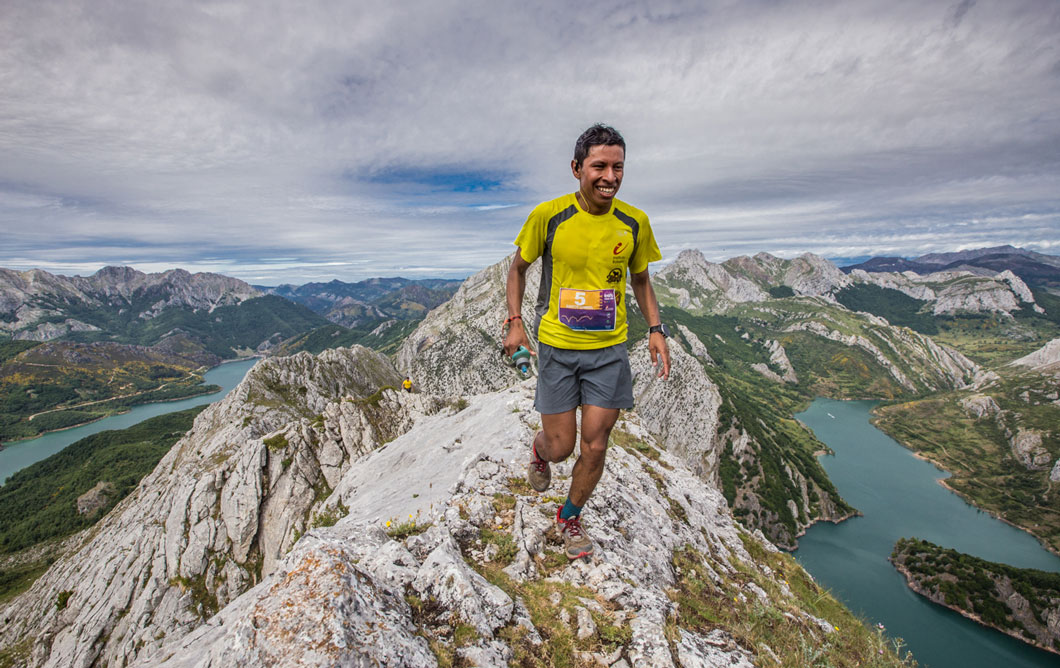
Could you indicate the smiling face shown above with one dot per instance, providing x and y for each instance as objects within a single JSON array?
[{"x": 599, "y": 177}]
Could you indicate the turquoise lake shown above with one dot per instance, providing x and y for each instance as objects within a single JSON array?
[
  {"x": 899, "y": 496},
  {"x": 17, "y": 456}
]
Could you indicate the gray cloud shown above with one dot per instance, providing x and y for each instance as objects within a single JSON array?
[{"x": 287, "y": 141}]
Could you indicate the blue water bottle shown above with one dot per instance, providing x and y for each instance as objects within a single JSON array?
[{"x": 521, "y": 359}]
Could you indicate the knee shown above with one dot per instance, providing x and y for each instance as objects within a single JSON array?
[
  {"x": 594, "y": 451},
  {"x": 559, "y": 446}
]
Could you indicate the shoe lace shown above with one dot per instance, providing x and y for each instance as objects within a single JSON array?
[
  {"x": 573, "y": 526},
  {"x": 539, "y": 465}
]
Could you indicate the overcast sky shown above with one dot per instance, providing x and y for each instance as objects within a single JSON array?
[{"x": 305, "y": 141}]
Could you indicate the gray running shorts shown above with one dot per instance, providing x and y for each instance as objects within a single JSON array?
[{"x": 567, "y": 379}]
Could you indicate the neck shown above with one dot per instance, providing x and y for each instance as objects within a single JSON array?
[{"x": 584, "y": 202}]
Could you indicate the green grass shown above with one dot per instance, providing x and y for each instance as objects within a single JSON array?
[
  {"x": 16, "y": 579},
  {"x": 703, "y": 605}
]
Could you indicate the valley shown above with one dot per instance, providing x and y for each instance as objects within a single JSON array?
[{"x": 255, "y": 484}]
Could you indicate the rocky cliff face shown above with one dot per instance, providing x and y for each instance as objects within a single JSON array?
[
  {"x": 456, "y": 350},
  {"x": 218, "y": 513},
  {"x": 27, "y": 298},
  {"x": 952, "y": 292}
]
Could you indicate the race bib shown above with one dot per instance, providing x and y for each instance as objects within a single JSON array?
[{"x": 588, "y": 310}]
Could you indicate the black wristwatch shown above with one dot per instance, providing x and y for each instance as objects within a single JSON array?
[{"x": 660, "y": 328}]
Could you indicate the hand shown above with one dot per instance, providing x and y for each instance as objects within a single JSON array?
[
  {"x": 660, "y": 352},
  {"x": 516, "y": 337}
]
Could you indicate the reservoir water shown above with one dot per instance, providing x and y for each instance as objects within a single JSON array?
[
  {"x": 16, "y": 456},
  {"x": 900, "y": 497}
]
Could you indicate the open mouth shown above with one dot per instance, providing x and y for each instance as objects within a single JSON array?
[{"x": 606, "y": 190}]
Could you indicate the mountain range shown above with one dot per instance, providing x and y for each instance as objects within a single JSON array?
[
  {"x": 371, "y": 301},
  {"x": 1035, "y": 269},
  {"x": 317, "y": 515}
]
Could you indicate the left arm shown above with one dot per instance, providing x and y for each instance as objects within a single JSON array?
[{"x": 649, "y": 306}]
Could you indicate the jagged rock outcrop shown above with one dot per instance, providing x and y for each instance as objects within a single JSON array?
[
  {"x": 697, "y": 284},
  {"x": 1027, "y": 448},
  {"x": 220, "y": 510},
  {"x": 46, "y": 331},
  {"x": 343, "y": 594},
  {"x": 694, "y": 284},
  {"x": 94, "y": 499},
  {"x": 697, "y": 347},
  {"x": 777, "y": 356},
  {"x": 807, "y": 274},
  {"x": 980, "y": 406},
  {"x": 456, "y": 350},
  {"x": 951, "y": 292}
]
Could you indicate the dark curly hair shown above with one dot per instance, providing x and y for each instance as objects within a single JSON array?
[{"x": 597, "y": 135}]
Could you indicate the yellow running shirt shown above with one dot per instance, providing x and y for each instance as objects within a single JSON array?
[{"x": 582, "y": 302}]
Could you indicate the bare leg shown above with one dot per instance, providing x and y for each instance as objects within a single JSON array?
[
  {"x": 597, "y": 423},
  {"x": 555, "y": 441}
]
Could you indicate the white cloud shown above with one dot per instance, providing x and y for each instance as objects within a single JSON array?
[{"x": 176, "y": 131}]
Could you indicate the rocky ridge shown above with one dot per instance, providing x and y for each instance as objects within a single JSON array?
[
  {"x": 695, "y": 284},
  {"x": 28, "y": 297},
  {"x": 219, "y": 511},
  {"x": 456, "y": 351},
  {"x": 235, "y": 520},
  {"x": 356, "y": 565}
]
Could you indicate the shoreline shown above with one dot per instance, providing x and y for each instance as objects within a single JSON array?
[
  {"x": 129, "y": 408},
  {"x": 964, "y": 497},
  {"x": 104, "y": 417},
  {"x": 915, "y": 587}
]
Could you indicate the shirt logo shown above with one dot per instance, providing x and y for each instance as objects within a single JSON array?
[
  {"x": 618, "y": 248},
  {"x": 615, "y": 276}
]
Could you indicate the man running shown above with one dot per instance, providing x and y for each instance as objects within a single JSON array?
[{"x": 587, "y": 240}]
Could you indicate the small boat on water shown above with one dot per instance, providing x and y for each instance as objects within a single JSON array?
[{"x": 831, "y": 416}]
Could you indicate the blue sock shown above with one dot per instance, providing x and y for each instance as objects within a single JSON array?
[{"x": 569, "y": 510}]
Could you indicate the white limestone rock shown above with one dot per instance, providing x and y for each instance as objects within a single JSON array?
[
  {"x": 696, "y": 346},
  {"x": 716, "y": 649},
  {"x": 700, "y": 284},
  {"x": 190, "y": 526},
  {"x": 683, "y": 410},
  {"x": 321, "y": 607},
  {"x": 1027, "y": 448},
  {"x": 980, "y": 406},
  {"x": 1044, "y": 360},
  {"x": 457, "y": 349}
]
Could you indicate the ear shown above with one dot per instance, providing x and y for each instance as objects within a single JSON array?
[{"x": 575, "y": 169}]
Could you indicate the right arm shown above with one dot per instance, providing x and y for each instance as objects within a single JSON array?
[{"x": 514, "y": 290}]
